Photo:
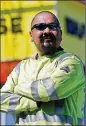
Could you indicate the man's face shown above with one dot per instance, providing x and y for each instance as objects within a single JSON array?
[{"x": 47, "y": 38}]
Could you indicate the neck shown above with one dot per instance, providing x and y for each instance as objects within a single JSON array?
[{"x": 42, "y": 54}]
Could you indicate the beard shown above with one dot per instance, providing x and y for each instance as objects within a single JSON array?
[
  {"x": 48, "y": 43},
  {"x": 48, "y": 47}
]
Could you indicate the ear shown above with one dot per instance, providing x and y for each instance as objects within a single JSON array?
[
  {"x": 61, "y": 34},
  {"x": 31, "y": 37}
]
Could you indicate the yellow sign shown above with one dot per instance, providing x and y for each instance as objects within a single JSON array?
[
  {"x": 72, "y": 18},
  {"x": 15, "y": 19}
]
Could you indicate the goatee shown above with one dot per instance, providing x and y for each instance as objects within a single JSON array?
[{"x": 48, "y": 43}]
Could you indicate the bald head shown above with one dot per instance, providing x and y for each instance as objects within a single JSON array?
[
  {"x": 46, "y": 32},
  {"x": 42, "y": 13}
]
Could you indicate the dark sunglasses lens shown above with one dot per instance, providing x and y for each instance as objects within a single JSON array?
[
  {"x": 53, "y": 26},
  {"x": 41, "y": 26}
]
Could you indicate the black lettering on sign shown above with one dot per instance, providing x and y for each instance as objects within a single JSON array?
[
  {"x": 75, "y": 28},
  {"x": 3, "y": 28},
  {"x": 72, "y": 27},
  {"x": 16, "y": 24},
  {"x": 81, "y": 32}
]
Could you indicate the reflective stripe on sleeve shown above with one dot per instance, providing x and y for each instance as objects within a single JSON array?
[
  {"x": 34, "y": 90},
  {"x": 65, "y": 55},
  {"x": 38, "y": 116},
  {"x": 48, "y": 83},
  {"x": 80, "y": 121},
  {"x": 7, "y": 118},
  {"x": 13, "y": 101},
  {"x": 17, "y": 69},
  {"x": 49, "y": 86},
  {"x": 3, "y": 97}
]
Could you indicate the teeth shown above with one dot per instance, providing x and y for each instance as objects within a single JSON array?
[
  {"x": 51, "y": 43},
  {"x": 48, "y": 43}
]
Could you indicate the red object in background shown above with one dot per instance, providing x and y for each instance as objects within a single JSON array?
[{"x": 6, "y": 68}]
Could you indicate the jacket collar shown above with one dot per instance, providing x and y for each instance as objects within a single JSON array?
[{"x": 58, "y": 50}]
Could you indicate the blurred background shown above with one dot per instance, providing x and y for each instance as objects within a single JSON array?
[{"x": 15, "y": 23}]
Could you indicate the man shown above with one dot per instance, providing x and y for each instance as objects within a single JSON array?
[{"x": 47, "y": 89}]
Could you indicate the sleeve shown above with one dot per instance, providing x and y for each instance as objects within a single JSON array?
[
  {"x": 67, "y": 78},
  {"x": 11, "y": 101}
]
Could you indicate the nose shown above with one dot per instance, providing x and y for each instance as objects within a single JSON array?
[{"x": 47, "y": 30}]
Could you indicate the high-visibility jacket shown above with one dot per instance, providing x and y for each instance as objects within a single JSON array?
[{"x": 46, "y": 91}]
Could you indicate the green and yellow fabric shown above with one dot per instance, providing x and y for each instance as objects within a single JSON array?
[{"x": 47, "y": 90}]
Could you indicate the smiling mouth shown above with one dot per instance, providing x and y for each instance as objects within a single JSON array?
[
  {"x": 48, "y": 40},
  {"x": 47, "y": 43}
]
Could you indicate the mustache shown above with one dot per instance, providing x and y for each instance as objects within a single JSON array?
[{"x": 46, "y": 36}]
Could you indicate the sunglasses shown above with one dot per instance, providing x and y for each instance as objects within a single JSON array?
[{"x": 42, "y": 26}]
